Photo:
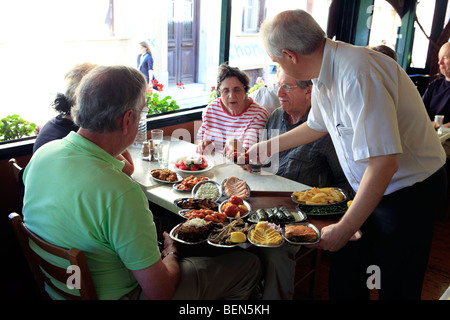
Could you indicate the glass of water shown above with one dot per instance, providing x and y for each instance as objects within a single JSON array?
[
  {"x": 163, "y": 154},
  {"x": 157, "y": 136}
]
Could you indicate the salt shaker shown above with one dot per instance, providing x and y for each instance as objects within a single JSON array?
[{"x": 145, "y": 151}]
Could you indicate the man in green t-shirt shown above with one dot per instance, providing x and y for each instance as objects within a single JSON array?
[{"x": 78, "y": 196}]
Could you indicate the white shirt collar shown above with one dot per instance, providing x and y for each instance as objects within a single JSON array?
[{"x": 326, "y": 71}]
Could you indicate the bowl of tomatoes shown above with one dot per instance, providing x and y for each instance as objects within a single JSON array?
[
  {"x": 192, "y": 164},
  {"x": 235, "y": 207}
]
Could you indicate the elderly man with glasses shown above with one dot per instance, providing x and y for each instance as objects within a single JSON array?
[{"x": 315, "y": 164}]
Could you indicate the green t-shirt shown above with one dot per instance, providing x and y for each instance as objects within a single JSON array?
[{"x": 78, "y": 197}]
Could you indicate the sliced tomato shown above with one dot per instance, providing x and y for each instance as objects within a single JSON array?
[
  {"x": 193, "y": 167},
  {"x": 204, "y": 164}
]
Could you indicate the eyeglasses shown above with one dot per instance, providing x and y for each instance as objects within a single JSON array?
[
  {"x": 286, "y": 88},
  {"x": 235, "y": 90}
]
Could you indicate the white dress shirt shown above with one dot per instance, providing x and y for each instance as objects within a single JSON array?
[{"x": 371, "y": 108}]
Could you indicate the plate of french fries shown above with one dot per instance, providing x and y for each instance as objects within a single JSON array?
[{"x": 319, "y": 196}]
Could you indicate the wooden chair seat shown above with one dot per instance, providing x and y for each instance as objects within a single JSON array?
[{"x": 38, "y": 265}]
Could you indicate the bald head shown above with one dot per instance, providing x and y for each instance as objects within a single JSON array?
[{"x": 444, "y": 60}]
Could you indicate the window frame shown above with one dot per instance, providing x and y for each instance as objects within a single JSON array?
[{"x": 259, "y": 18}]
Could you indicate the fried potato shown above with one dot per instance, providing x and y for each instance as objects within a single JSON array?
[
  {"x": 265, "y": 235},
  {"x": 319, "y": 196}
]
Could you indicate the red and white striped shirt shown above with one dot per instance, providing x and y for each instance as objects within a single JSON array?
[{"x": 218, "y": 125}]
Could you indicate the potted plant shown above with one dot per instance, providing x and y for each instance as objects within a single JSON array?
[
  {"x": 156, "y": 104},
  {"x": 14, "y": 127}
]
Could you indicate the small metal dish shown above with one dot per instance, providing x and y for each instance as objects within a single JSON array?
[
  {"x": 249, "y": 238},
  {"x": 182, "y": 212},
  {"x": 298, "y": 215},
  {"x": 174, "y": 235},
  {"x": 179, "y": 177},
  {"x": 304, "y": 242},
  {"x": 331, "y": 210},
  {"x": 227, "y": 195},
  {"x": 249, "y": 207},
  {"x": 294, "y": 199},
  {"x": 175, "y": 186},
  {"x": 199, "y": 186},
  {"x": 193, "y": 203}
]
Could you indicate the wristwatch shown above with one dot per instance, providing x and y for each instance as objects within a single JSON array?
[{"x": 168, "y": 253}]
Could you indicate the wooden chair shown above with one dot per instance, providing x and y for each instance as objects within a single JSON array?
[
  {"x": 37, "y": 264},
  {"x": 15, "y": 168}
]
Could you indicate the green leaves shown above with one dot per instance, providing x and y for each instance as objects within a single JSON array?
[
  {"x": 157, "y": 105},
  {"x": 14, "y": 127}
]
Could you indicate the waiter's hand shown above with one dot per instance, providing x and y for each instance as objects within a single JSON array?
[
  {"x": 335, "y": 236},
  {"x": 259, "y": 152}
]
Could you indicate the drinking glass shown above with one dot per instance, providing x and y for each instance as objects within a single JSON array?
[
  {"x": 157, "y": 136},
  {"x": 439, "y": 119},
  {"x": 163, "y": 154},
  {"x": 255, "y": 166}
]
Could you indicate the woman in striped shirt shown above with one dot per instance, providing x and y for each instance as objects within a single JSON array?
[{"x": 233, "y": 118}]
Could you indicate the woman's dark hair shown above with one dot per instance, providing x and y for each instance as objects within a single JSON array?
[
  {"x": 225, "y": 71},
  {"x": 147, "y": 48},
  {"x": 61, "y": 104}
]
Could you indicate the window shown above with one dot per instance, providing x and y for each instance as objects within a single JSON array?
[
  {"x": 246, "y": 49},
  {"x": 41, "y": 40},
  {"x": 253, "y": 16},
  {"x": 424, "y": 12},
  {"x": 385, "y": 23}
]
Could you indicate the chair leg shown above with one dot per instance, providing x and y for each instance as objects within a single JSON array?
[
  {"x": 313, "y": 274},
  {"x": 315, "y": 265}
]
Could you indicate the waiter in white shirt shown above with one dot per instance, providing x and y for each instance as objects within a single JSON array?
[{"x": 387, "y": 148}]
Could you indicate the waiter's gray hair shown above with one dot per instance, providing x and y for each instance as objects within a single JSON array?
[{"x": 295, "y": 30}]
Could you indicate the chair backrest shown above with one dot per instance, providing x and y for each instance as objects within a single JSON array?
[
  {"x": 15, "y": 168},
  {"x": 37, "y": 264}
]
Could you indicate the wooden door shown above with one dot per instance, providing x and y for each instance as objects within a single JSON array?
[{"x": 182, "y": 41}]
